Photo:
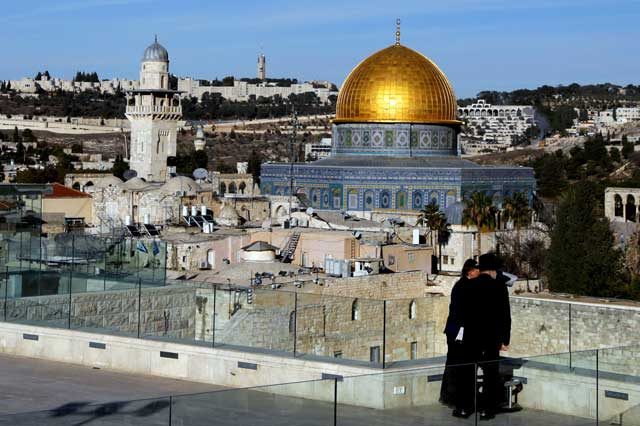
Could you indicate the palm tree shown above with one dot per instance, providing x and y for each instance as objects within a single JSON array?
[
  {"x": 479, "y": 211},
  {"x": 429, "y": 216},
  {"x": 516, "y": 209},
  {"x": 444, "y": 232}
]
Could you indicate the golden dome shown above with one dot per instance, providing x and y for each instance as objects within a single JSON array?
[{"x": 396, "y": 85}]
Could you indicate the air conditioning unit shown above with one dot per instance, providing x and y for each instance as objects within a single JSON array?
[{"x": 205, "y": 265}]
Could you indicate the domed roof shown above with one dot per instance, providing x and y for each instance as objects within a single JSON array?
[
  {"x": 228, "y": 212},
  {"x": 109, "y": 180},
  {"x": 396, "y": 85},
  {"x": 155, "y": 53},
  {"x": 135, "y": 183},
  {"x": 182, "y": 184}
]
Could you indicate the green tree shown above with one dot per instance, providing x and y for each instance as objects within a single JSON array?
[
  {"x": 28, "y": 136},
  {"x": 627, "y": 149},
  {"x": 479, "y": 211},
  {"x": 615, "y": 155},
  {"x": 515, "y": 209},
  {"x": 582, "y": 258},
  {"x": 119, "y": 167},
  {"x": 255, "y": 162},
  {"x": 550, "y": 171}
]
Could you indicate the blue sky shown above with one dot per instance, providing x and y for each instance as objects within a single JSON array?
[{"x": 479, "y": 44}]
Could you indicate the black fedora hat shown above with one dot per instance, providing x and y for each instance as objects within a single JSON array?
[{"x": 489, "y": 262}]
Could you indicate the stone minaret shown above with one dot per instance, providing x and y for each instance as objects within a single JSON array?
[
  {"x": 262, "y": 67},
  {"x": 199, "y": 142},
  {"x": 153, "y": 110}
]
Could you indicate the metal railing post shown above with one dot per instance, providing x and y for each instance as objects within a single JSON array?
[
  {"x": 139, "y": 305},
  {"x": 570, "y": 336},
  {"x": 170, "y": 409},
  {"x": 295, "y": 323},
  {"x": 213, "y": 317},
  {"x": 384, "y": 332},
  {"x": 597, "y": 387},
  {"x": 6, "y": 292},
  {"x": 70, "y": 295},
  {"x": 335, "y": 401}
]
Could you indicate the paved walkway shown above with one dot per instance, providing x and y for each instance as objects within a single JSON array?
[{"x": 80, "y": 396}]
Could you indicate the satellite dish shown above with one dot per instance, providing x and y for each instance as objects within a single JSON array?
[
  {"x": 129, "y": 174},
  {"x": 200, "y": 174}
]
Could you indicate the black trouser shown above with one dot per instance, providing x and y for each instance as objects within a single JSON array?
[
  {"x": 459, "y": 379},
  {"x": 489, "y": 399}
]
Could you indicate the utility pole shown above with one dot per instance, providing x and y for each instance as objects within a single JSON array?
[{"x": 292, "y": 141}]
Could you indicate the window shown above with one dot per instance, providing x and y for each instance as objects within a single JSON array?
[
  {"x": 452, "y": 260},
  {"x": 414, "y": 350},
  {"x": 352, "y": 200},
  {"x": 355, "y": 311},
  {"x": 337, "y": 354},
  {"x": 445, "y": 259},
  {"x": 391, "y": 260},
  {"x": 412, "y": 310},
  {"x": 374, "y": 354},
  {"x": 411, "y": 257}
]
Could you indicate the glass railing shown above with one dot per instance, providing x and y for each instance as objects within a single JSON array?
[
  {"x": 303, "y": 324},
  {"x": 107, "y": 259},
  {"x": 540, "y": 390}
]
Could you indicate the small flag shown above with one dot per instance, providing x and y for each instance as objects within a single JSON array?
[
  {"x": 155, "y": 249},
  {"x": 141, "y": 247}
]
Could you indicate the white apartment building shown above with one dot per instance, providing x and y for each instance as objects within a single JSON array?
[
  {"x": 242, "y": 90},
  {"x": 316, "y": 151},
  {"x": 30, "y": 85},
  {"x": 494, "y": 126}
]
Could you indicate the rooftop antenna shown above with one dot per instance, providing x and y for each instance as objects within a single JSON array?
[
  {"x": 156, "y": 35},
  {"x": 398, "y": 32}
]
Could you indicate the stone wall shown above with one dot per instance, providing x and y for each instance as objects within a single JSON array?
[
  {"x": 406, "y": 285},
  {"x": 322, "y": 325},
  {"x": 164, "y": 311}
]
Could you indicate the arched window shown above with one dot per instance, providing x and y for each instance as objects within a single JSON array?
[
  {"x": 232, "y": 188},
  {"x": 368, "y": 200},
  {"x": 76, "y": 186},
  {"x": 242, "y": 187},
  {"x": 337, "y": 198},
  {"x": 617, "y": 202},
  {"x": 292, "y": 322},
  {"x": 401, "y": 200},
  {"x": 630, "y": 213},
  {"x": 412, "y": 310},
  {"x": 355, "y": 311},
  {"x": 352, "y": 199},
  {"x": 223, "y": 188}
]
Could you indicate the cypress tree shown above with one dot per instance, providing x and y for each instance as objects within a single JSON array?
[{"x": 582, "y": 258}]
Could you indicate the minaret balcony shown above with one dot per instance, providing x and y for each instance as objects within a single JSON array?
[{"x": 153, "y": 109}]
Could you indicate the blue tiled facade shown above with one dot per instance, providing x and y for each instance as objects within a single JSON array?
[{"x": 419, "y": 163}]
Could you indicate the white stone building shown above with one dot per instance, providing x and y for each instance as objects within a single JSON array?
[
  {"x": 316, "y": 151},
  {"x": 494, "y": 126},
  {"x": 154, "y": 111},
  {"x": 243, "y": 90}
]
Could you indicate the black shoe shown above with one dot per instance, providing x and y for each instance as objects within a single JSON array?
[
  {"x": 486, "y": 415},
  {"x": 461, "y": 413}
]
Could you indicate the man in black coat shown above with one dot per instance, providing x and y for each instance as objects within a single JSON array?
[{"x": 488, "y": 330}]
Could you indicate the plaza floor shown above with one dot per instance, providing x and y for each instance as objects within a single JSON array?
[{"x": 73, "y": 395}]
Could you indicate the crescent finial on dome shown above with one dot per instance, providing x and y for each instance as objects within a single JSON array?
[{"x": 398, "y": 32}]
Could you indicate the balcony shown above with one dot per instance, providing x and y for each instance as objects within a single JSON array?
[{"x": 135, "y": 110}]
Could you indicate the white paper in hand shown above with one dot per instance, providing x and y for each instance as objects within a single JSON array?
[{"x": 460, "y": 335}]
